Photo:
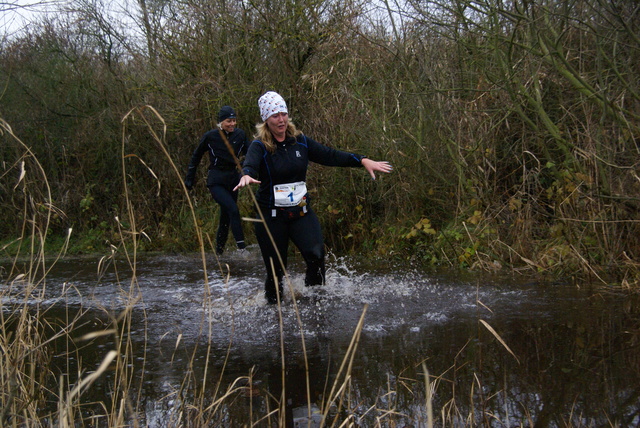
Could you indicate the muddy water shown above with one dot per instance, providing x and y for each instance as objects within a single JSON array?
[{"x": 500, "y": 351}]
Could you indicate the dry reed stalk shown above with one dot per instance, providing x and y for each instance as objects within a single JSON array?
[
  {"x": 337, "y": 391},
  {"x": 66, "y": 406},
  {"x": 282, "y": 399},
  {"x": 497, "y": 336},
  {"x": 428, "y": 396},
  {"x": 161, "y": 142},
  {"x": 278, "y": 297}
]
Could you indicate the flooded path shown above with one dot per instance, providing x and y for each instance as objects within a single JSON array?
[{"x": 499, "y": 351}]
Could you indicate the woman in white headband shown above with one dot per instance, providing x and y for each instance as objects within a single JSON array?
[{"x": 277, "y": 160}]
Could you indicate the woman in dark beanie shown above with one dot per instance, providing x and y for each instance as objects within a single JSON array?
[
  {"x": 277, "y": 160},
  {"x": 224, "y": 144}
]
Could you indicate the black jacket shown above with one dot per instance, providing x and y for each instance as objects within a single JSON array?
[
  {"x": 221, "y": 162},
  {"x": 288, "y": 164}
]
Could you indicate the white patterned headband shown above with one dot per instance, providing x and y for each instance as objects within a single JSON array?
[{"x": 271, "y": 103}]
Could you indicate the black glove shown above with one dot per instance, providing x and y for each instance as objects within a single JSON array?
[
  {"x": 188, "y": 182},
  {"x": 190, "y": 176}
]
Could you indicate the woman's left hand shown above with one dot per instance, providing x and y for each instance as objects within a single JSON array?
[{"x": 372, "y": 166}]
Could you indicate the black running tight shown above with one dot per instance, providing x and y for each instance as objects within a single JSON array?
[
  {"x": 229, "y": 215},
  {"x": 306, "y": 235}
]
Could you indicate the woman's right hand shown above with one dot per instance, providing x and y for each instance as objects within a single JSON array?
[{"x": 245, "y": 180}]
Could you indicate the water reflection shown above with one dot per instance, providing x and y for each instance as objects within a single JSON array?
[{"x": 575, "y": 351}]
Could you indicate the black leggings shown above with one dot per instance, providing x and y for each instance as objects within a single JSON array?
[
  {"x": 229, "y": 215},
  {"x": 306, "y": 235}
]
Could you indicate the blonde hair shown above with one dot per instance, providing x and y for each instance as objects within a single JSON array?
[{"x": 263, "y": 134}]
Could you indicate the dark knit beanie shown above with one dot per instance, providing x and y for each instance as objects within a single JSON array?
[{"x": 226, "y": 112}]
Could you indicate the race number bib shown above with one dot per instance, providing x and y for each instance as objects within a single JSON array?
[{"x": 289, "y": 194}]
